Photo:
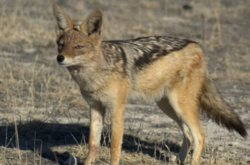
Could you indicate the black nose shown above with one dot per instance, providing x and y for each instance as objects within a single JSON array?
[{"x": 60, "y": 58}]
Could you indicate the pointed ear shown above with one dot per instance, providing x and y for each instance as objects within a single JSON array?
[
  {"x": 64, "y": 23},
  {"x": 93, "y": 25}
]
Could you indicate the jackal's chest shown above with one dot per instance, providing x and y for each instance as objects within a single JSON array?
[
  {"x": 87, "y": 80},
  {"x": 83, "y": 80}
]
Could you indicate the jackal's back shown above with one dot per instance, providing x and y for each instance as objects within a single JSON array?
[
  {"x": 153, "y": 65},
  {"x": 140, "y": 52}
]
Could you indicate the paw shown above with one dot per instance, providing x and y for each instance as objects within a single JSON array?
[
  {"x": 89, "y": 162},
  {"x": 178, "y": 161},
  {"x": 72, "y": 161}
]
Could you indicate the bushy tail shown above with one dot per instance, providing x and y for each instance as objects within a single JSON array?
[{"x": 218, "y": 110}]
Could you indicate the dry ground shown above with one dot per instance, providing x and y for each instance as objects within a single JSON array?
[{"x": 43, "y": 117}]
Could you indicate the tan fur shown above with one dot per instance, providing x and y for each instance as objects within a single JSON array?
[{"x": 170, "y": 71}]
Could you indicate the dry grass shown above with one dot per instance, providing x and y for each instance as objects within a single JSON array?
[{"x": 45, "y": 120}]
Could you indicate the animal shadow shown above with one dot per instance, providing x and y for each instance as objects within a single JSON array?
[{"x": 40, "y": 136}]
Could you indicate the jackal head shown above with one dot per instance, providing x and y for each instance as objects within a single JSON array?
[{"x": 78, "y": 43}]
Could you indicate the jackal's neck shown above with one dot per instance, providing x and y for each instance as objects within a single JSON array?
[{"x": 88, "y": 78}]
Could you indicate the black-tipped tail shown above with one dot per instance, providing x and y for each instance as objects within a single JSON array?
[{"x": 218, "y": 110}]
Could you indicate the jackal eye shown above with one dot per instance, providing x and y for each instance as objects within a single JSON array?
[
  {"x": 78, "y": 47},
  {"x": 60, "y": 45}
]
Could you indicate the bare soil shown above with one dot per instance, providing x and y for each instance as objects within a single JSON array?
[{"x": 44, "y": 120}]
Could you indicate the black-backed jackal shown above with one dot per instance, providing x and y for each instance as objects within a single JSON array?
[{"x": 170, "y": 71}]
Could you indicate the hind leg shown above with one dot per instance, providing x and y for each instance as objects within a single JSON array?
[
  {"x": 184, "y": 102},
  {"x": 165, "y": 106},
  {"x": 187, "y": 142}
]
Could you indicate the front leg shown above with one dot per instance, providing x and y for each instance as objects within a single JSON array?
[
  {"x": 97, "y": 113},
  {"x": 117, "y": 117}
]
